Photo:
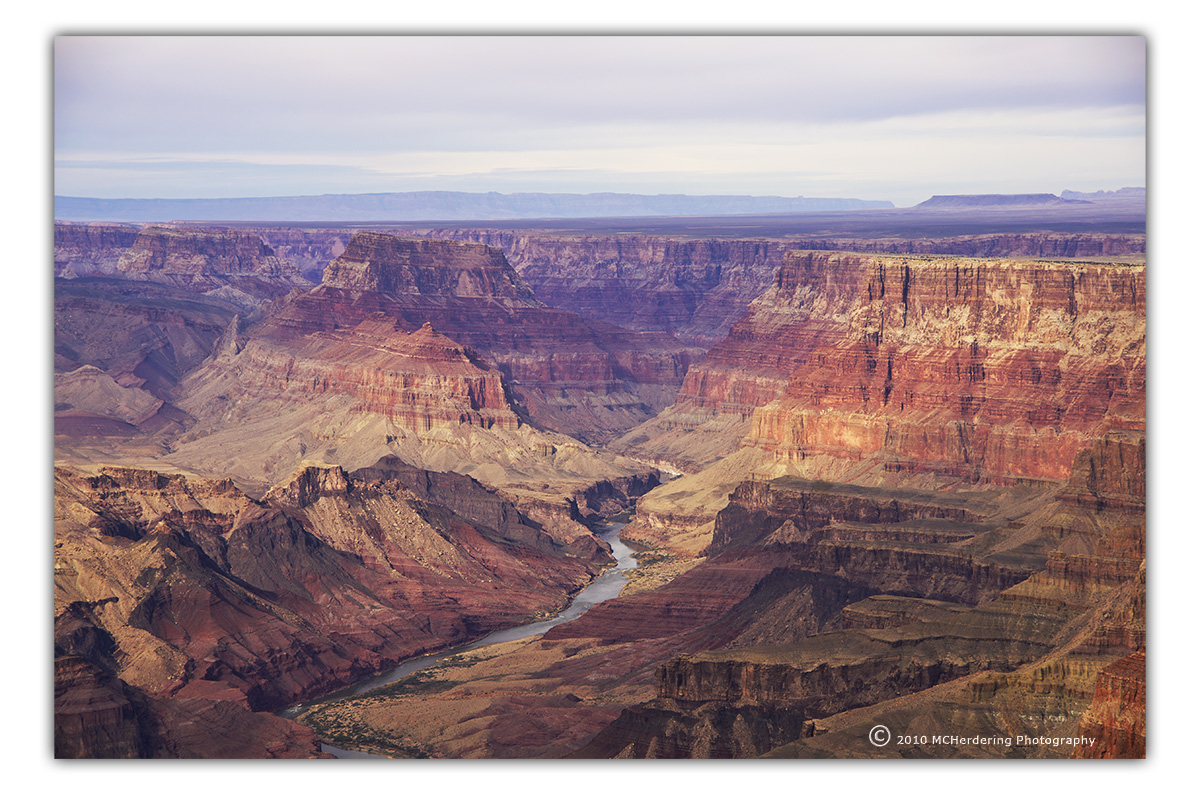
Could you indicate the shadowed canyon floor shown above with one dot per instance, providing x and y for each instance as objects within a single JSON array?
[{"x": 879, "y": 478}]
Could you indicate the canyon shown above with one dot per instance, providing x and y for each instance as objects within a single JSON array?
[
  {"x": 178, "y": 595},
  {"x": 876, "y": 475}
]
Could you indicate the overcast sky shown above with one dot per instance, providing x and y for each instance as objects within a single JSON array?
[{"x": 896, "y": 118}]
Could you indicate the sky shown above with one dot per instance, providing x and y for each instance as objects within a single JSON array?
[{"x": 898, "y": 118}]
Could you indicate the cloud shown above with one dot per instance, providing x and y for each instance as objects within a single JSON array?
[{"x": 690, "y": 108}]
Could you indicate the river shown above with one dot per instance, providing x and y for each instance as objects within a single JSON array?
[{"x": 604, "y": 587}]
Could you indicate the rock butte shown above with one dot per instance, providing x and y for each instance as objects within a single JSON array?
[
  {"x": 913, "y": 490},
  {"x": 572, "y": 375}
]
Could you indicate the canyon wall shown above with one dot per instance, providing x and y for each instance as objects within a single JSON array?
[
  {"x": 569, "y": 374},
  {"x": 962, "y": 368},
  {"x": 692, "y": 288},
  {"x": 696, "y": 289},
  {"x": 1001, "y": 613},
  {"x": 162, "y": 301},
  {"x": 979, "y": 369},
  {"x": 182, "y": 600},
  {"x": 90, "y": 249},
  {"x": 142, "y": 335},
  {"x": 917, "y": 488},
  {"x": 310, "y": 249},
  {"x": 419, "y": 381},
  {"x": 235, "y": 265}
]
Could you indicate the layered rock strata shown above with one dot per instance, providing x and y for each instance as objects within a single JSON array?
[
  {"x": 172, "y": 296},
  {"x": 90, "y": 249},
  {"x": 1116, "y": 719},
  {"x": 181, "y": 600},
  {"x": 822, "y": 610},
  {"x": 697, "y": 289},
  {"x": 692, "y": 288},
  {"x": 977, "y": 369},
  {"x": 148, "y": 336},
  {"x": 120, "y": 350},
  {"x": 310, "y": 249},
  {"x": 949, "y": 580},
  {"x": 237, "y": 265},
  {"x": 753, "y": 590},
  {"x": 1052, "y": 648},
  {"x": 419, "y": 380},
  {"x": 569, "y": 374},
  {"x": 194, "y": 255},
  {"x": 992, "y": 370},
  {"x": 270, "y": 401},
  {"x": 912, "y": 591}
]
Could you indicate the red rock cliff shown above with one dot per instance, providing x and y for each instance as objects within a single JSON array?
[
  {"x": 420, "y": 380},
  {"x": 570, "y": 374},
  {"x": 965, "y": 368}
]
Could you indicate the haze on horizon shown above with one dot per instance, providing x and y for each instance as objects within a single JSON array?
[{"x": 887, "y": 118}]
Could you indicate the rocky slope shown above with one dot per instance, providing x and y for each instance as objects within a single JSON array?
[
  {"x": 1116, "y": 719},
  {"x": 233, "y": 265},
  {"x": 1002, "y": 623},
  {"x": 311, "y": 249},
  {"x": 748, "y": 591},
  {"x": 328, "y": 376},
  {"x": 904, "y": 371},
  {"x": 822, "y": 610},
  {"x": 144, "y": 335},
  {"x": 181, "y": 600},
  {"x": 419, "y": 380},
  {"x": 977, "y": 600},
  {"x": 90, "y": 249},
  {"x": 120, "y": 350},
  {"x": 130, "y": 337},
  {"x": 693, "y": 288},
  {"x": 268, "y": 402},
  {"x": 356, "y": 370},
  {"x": 576, "y": 376}
]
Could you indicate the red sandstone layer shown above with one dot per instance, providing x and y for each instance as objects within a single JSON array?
[
  {"x": 419, "y": 381},
  {"x": 976, "y": 369}
]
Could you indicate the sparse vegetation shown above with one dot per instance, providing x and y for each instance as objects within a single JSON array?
[{"x": 342, "y": 728}]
